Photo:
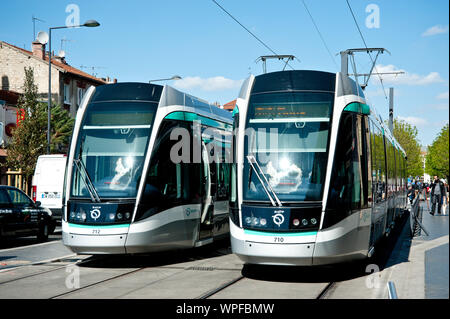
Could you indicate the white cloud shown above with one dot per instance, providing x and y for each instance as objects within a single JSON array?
[
  {"x": 406, "y": 78},
  {"x": 437, "y": 29},
  {"x": 216, "y": 83},
  {"x": 416, "y": 121},
  {"x": 443, "y": 96},
  {"x": 440, "y": 107}
]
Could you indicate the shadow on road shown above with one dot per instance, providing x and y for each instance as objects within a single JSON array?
[
  {"x": 7, "y": 243},
  {"x": 333, "y": 273},
  {"x": 218, "y": 248}
]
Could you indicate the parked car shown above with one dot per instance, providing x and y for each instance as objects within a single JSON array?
[
  {"x": 20, "y": 216},
  {"x": 48, "y": 182}
]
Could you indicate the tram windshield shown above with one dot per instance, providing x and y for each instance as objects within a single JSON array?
[
  {"x": 111, "y": 146},
  {"x": 287, "y": 137}
]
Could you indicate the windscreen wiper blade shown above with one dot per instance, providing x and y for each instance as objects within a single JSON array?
[
  {"x": 258, "y": 171},
  {"x": 87, "y": 180}
]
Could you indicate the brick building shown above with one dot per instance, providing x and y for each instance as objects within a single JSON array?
[{"x": 68, "y": 83}]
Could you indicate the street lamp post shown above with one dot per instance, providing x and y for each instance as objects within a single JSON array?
[
  {"x": 89, "y": 24},
  {"x": 175, "y": 77}
]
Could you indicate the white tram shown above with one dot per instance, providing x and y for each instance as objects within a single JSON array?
[
  {"x": 132, "y": 185},
  {"x": 317, "y": 177}
]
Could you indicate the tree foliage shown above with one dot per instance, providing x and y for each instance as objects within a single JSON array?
[
  {"x": 29, "y": 139},
  {"x": 61, "y": 128},
  {"x": 406, "y": 135},
  {"x": 437, "y": 159}
]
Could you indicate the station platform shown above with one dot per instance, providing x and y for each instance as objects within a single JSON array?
[{"x": 419, "y": 266}]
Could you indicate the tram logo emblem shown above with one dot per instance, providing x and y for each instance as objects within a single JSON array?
[
  {"x": 278, "y": 218},
  {"x": 95, "y": 213}
]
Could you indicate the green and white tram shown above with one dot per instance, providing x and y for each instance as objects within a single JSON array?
[
  {"x": 146, "y": 171},
  {"x": 317, "y": 178}
]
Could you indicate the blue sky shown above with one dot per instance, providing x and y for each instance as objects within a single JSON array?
[{"x": 144, "y": 40}]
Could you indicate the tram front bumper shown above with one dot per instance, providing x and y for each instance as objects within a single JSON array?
[
  {"x": 273, "y": 254},
  {"x": 90, "y": 242},
  {"x": 86, "y": 244},
  {"x": 265, "y": 250}
]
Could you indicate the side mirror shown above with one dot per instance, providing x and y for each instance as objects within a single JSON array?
[{"x": 37, "y": 204}]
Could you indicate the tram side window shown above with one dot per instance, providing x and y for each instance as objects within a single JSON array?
[
  {"x": 168, "y": 184},
  {"x": 164, "y": 174},
  {"x": 223, "y": 180},
  {"x": 378, "y": 165},
  {"x": 404, "y": 173},
  {"x": 396, "y": 169},
  {"x": 349, "y": 182},
  {"x": 390, "y": 166},
  {"x": 399, "y": 170}
]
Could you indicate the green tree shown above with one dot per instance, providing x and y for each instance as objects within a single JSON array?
[
  {"x": 61, "y": 128},
  {"x": 406, "y": 135},
  {"x": 437, "y": 159},
  {"x": 29, "y": 139}
]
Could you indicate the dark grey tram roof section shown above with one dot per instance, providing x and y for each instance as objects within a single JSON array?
[
  {"x": 164, "y": 95},
  {"x": 297, "y": 80}
]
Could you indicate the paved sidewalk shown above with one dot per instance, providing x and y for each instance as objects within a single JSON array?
[
  {"x": 436, "y": 258},
  {"x": 419, "y": 267}
]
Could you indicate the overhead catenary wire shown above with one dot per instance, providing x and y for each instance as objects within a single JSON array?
[
  {"x": 320, "y": 35},
  {"x": 365, "y": 44},
  {"x": 251, "y": 33}
]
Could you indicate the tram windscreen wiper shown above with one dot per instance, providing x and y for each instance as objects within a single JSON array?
[
  {"x": 258, "y": 172},
  {"x": 87, "y": 180}
]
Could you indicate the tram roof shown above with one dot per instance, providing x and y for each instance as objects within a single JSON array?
[
  {"x": 172, "y": 96},
  {"x": 163, "y": 95}
]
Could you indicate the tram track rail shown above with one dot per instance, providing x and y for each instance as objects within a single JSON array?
[
  {"x": 328, "y": 288},
  {"x": 220, "y": 288},
  {"x": 97, "y": 283},
  {"x": 42, "y": 263}
]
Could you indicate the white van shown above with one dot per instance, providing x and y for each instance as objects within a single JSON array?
[{"x": 48, "y": 182}]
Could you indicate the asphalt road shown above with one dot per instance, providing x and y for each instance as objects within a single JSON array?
[{"x": 50, "y": 270}]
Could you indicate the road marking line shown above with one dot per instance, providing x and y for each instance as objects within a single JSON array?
[
  {"x": 30, "y": 246},
  {"x": 36, "y": 263}
]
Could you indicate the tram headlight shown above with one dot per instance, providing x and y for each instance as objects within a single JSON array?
[
  {"x": 263, "y": 222},
  {"x": 119, "y": 216},
  {"x": 83, "y": 216},
  {"x": 313, "y": 221},
  {"x": 111, "y": 216},
  {"x": 72, "y": 215},
  {"x": 127, "y": 215},
  {"x": 304, "y": 222},
  {"x": 296, "y": 222},
  {"x": 255, "y": 221},
  {"x": 248, "y": 220}
]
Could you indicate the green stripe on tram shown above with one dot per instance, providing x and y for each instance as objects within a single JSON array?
[
  {"x": 99, "y": 226},
  {"x": 235, "y": 111},
  {"x": 191, "y": 117},
  {"x": 263, "y": 233},
  {"x": 357, "y": 107}
]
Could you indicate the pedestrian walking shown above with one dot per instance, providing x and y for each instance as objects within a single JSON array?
[{"x": 437, "y": 192}]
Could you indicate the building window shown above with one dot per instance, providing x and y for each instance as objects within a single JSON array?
[
  {"x": 67, "y": 95},
  {"x": 81, "y": 93}
]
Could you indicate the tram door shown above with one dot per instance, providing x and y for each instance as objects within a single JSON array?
[{"x": 208, "y": 187}]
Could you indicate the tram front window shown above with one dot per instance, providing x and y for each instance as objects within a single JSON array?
[
  {"x": 287, "y": 141},
  {"x": 111, "y": 146}
]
